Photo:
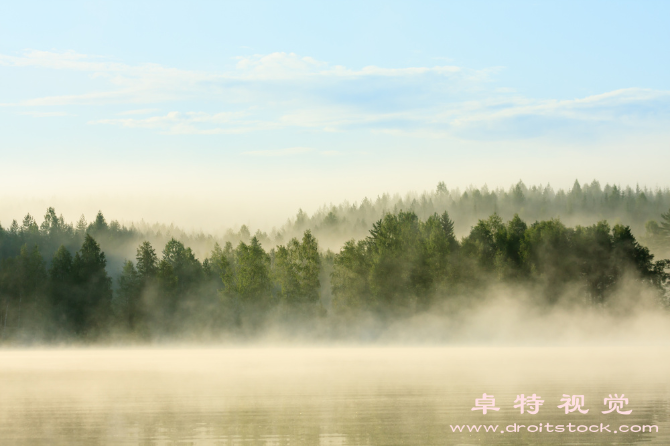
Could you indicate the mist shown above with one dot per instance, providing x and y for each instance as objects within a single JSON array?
[{"x": 446, "y": 266}]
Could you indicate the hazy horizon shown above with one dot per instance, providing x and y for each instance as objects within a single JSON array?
[
  {"x": 216, "y": 116},
  {"x": 195, "y": 214}
]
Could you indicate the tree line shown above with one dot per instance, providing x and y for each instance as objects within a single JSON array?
[
  {"x": 404, "y": 265},
  {"x": 407, "y": 263},
  {"x": 582, "y": 204},
  {"x": 156, "y": 294}
]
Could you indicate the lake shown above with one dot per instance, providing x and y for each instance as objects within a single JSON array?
[{"x": 333, "y": 395}]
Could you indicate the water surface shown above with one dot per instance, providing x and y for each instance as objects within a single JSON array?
[{"x": 325, "y": 396}]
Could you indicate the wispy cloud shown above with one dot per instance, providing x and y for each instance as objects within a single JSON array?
[
  {"x": 43, "y": 114},
  {"x": 142, "y": 111},
  {"x": 274, "y": 66},
  {"x": 68, "y": 60},
  {"x": 290, "y": 151},
  {"x": 147, "y": 83},
  {"x": 438, "y": 121},
  {"x": 192, "y": 123},
  {"x": 602, "y": 107},
  {"x": 278, "y": 66},
  {"x": 122, "y": 83},
  {"x": 285, "y": 90}
]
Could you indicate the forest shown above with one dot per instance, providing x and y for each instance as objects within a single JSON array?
[{"x": 59, "y": 282}]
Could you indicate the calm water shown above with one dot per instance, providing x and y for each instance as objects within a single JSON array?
[{"x": 324, "y": 396}]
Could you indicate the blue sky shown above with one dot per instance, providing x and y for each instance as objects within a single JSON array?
[{"x": 241, "y": 112}]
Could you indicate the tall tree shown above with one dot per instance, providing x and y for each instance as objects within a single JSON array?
[
  {"x": 253, "y": 272},
  {"x": 247, "y": 277},
  {"x": 129, "y": 294},
  {"x": 94, "y": 287},
  {"x": 61, "y": 289},
  {"x": 147, "y": 261},
  {"x": 22, "y": 283},
  {"x": 297, "y": 268},
  {"x": 350, "y": 279},
  {"x": 184, "y": 264},
  {"x": 99, "y": 225},
  {"x": 665, "y": 224},
  {"x": 394, "y": 249}
]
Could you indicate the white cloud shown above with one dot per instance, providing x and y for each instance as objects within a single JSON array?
[
  {"x": 278, "y": 66},
  {"x": 68, "y": 60},
  {"x": 143, "y": 111},
  {"x": 274, "y": 66},
  {"x": 101, "y": 97},
  {"x": 193, "y": 123},
  {"x": 124, "y": 83},
  {"x": 286, "y": 90},
  {"x": 41, "y": 114},
  {"x": 601, "y": 107},
  {"x": 150, "y": 83},
  {"x": 438, "y": 121},
  {"x": 290, "y": 151}
]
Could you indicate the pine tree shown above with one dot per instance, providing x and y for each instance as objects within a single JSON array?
[
  {"x": 665, "y": 224},
  {"x": 62, "y": 293},
  {"x": 94, "y": 287},
  {"x": 129, "y": 294},
  {"x": 147, "y": 261}
]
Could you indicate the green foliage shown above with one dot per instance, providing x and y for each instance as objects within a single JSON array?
[
  {"x": 583, "y": 203},
  {"x": 61, "y": 288},
  {"x": 485, "y": 242},
  {"x": 99, "y": 226},
  {"x": 664, "y": 228},
  {"x": 350, "y": 278},
  {"x": 60, "y": 271},
  {"x": 628, "y": 253},
  {"x": 221, "y": 261},
  {"x": 23, "y": 280},
  {"x": 250, "y": 273},
  {"x": 147, "y": 261},
  {"x": 167, "y": 280},
  {"x": 129, "y": 294},
  {"x": 52, "y": 226},
  {"x": 439, "y": 252},
  {"x": 399, "y": 265},
  {"x": 546, "y": 251},
  {"x": 23, "y": 275},
  {"x": 404, "y": 258},
  {"x": 409, "y": 261},
  {"x": 185, "y": 267},
  {"x": 93, "y": 288},
  {"x": 296, "y": 271}
]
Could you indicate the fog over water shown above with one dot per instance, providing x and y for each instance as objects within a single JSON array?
[
  {"x": 376, "y": 323},
  {"x": 324, "y": 396}
]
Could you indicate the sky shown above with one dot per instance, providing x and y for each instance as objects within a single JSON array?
[{"x": 215, "y": 114}]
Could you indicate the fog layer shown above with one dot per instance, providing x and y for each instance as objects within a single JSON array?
[{"x": 410, "y": 277}]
